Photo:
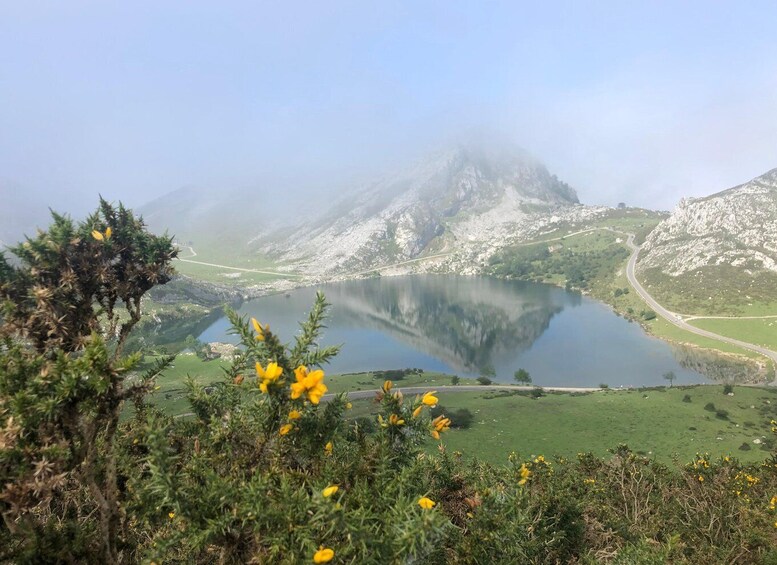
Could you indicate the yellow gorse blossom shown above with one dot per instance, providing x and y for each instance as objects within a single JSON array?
[
  {"x": 330, "y": 490},
  {"x": 426, "y": 503},
  {"x": 285, "y": 429},
  {"x": 773, "y": 503},
  {"x": 429, "y": 399},
  {"x": 259, "y": 329},
  {"x": 323, "y": 555},
  {"x": 387, "y": 386},
  {"x": 295, "y": 415},
  {"x": 171, "y": 515},
  {"x": 268, "y": 376},
  {"x": 440, "y": 424},
  {"x": 524, "y": 473},
  {"x": 310, "y": 383},
  {"x": 102, "y": 236},
  {"x": 396, "y": 420},
  {"x": 348, "y": 405},
  {"x": 328, "y": 448}
]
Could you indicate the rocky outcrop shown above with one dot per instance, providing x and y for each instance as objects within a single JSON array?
[
  {"x": 465, "y": 199},
  {"x": 736, "y": 227}
]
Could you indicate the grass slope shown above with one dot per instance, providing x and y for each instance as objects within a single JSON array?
[{"x": 761, "y": 332}]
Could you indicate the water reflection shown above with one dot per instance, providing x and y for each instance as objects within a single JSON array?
[
  {"x": 474, "y": 326},
  {"x": 465, "y": 323}
]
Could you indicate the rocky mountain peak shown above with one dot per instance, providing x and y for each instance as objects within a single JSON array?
[
  {"x": 460, "y": 194},
  {"x": 736, "y": 227}
]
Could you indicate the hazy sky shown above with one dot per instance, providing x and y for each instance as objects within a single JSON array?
[{"x": 642, "y": 102}]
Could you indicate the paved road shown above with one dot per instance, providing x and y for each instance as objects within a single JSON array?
[
  {"x": 413, "y": 390},
  {"x": 689, "y": 318},
  {"x": 676, "y": 319}
]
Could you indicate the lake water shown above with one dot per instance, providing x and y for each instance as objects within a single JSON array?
[{"x": 471, "y": 326}]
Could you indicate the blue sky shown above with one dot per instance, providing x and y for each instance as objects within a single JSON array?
[{"x": 642, "y": 102}]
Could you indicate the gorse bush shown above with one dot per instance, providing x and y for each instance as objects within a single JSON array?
[
  {"x": 68, "y": 305},
  {"x": 266, "y": 467},
  {"x": 265, "y": 471}
]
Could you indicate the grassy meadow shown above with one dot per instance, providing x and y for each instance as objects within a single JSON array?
[
  {"x": 758, "y": 331},
  {"x": 653, "y": 422},
  {"x": 656, "y": 422}
]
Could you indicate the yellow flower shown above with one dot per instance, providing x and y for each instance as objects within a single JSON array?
[
  {"x": 589, "y": 481},
  {"x": 417, "y": 411},
  {"x": 295, "y": 415},
  {"x": 540, "y": 459},
  {"x": 441, "y": 424},
  {"x": 426, "y": 503},
  {"x": 310, "y": 383},
  {"x": 387, "y": 386},
  {"x": 435, "y": 434},
  {"x": 259, "y": 329},
  {"x": 525, "y": 474},
  {"x": 328, "y": 448},
  {"x": 268, "y": 376},
  {"x": 429, "y": 399},
  {"x": 701, "y": 479},
  {"x": 395, "y": 420},
  {"x": 348, "y": 405},
  {"x": 108, "y": 232},
  {"x": 97, "y": 235},
  {"x": 330, "y": 490},
  {"x": 285, "y": 428},
  {"x": 323, "y": 555},
  {"x": 171, "y": 515}
]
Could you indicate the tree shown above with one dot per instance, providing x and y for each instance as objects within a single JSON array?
[
  {"x": 69, "y": 303},
  {"x": 522, "y": 377},
  {"x": 670, "y": 376}
]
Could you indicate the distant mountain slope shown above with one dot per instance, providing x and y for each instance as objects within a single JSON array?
[
  {"x": 720, "y": 246},
  {"x": 451, "y": 200},
  {"x": 735, "y": 227},
  {"x": 21, "y": 213}
]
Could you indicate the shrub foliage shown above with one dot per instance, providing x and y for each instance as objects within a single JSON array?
[{"x": 267, "y": 468}]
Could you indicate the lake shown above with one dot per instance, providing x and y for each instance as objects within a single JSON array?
[{"x": 472, "y": 326}]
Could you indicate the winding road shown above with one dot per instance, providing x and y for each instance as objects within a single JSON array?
[
  {"x": 677, "y": 319},
  {"x": 194, "y": 254}
]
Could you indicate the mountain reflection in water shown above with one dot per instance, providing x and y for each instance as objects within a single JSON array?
[{"x": 473, "y": 326}]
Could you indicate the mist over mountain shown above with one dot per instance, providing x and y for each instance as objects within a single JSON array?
[
  {"x": 20, "y": 213},
  {"x": 464, "y": 195}
]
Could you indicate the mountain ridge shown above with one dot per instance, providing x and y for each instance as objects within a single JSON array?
[{"x": 449, "y": 199}]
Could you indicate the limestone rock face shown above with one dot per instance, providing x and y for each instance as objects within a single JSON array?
[
  {"x": 465, "y": 199},
  {"x": 736, "y": 227}
]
